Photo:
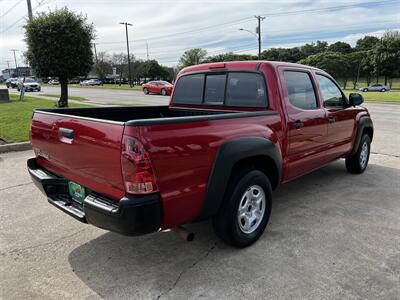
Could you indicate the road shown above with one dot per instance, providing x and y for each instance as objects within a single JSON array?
[
  {"x": 106, "y": 96},
  {"x": 332, "y": 235}
]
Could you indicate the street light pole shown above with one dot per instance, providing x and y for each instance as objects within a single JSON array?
[{"x": 127, "y": 47}]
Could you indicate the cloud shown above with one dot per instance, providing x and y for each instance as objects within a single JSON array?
[{"x": 171, "y": 27}]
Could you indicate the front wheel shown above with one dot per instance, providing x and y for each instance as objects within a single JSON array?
[
  {"x": 358, "y": 162},
  {"x": 383, "y": 90},
  {"x": 145, "y": 91},
  {"x": 365, "y": 90},
  {"x": 246, "y": 209}
]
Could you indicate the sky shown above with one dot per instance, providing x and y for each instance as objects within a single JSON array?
[{"x": 171, "y": 27}]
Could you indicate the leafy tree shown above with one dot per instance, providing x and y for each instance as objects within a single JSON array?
[
  {"x": 152, "y": 69},
  {"x": 386, "y": 55},
  {"x": 192, "y": 57},
  {"x": 313, "y": 48},
  {"x": 60, "y": 45},
  {"x": 230, "y": 56},
  {"x": 366, "y": 43},
  {"x": 333, "y": 63},
  {"x": 283, "y": 54},
  {"x": 340, "y": 47}
]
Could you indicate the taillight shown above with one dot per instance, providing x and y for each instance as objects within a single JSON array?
[{"x": 137, "y": 172}]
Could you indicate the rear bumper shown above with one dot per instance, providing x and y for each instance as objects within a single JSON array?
[{"x": 132, "y": 215}]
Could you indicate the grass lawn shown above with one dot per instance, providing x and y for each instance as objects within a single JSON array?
[
  {"x": 389, "y": 97},
  {"x": 15, "y": 117},
  {"x": 69, "y": 97}
]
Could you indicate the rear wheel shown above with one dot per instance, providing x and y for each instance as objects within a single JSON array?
[
  {"x": 383, "y": 90},
  {"x": 163, "y": 92},
  {"x": 246, "y": 209},
  {"x": 365, "y": 90},
  {"x": 145, "y": 91},
  {"x": 358, "y": 162}
]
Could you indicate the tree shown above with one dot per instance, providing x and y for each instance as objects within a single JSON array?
[
  {"x": 103, "y": 66},
  {"x": 333, "y": 63},
  {"x": 340, "y": 47},
  {"x": 152, "y": 70},
  {"x": 230, "y": 56},
  {"x": 192, "y": 57},
  {"x": 366, "y": 43},
  {"x": 355, "y": 62},
  {"x": 386, "y": 55},
  {"x": 60, "y": 45},
  {"x": 311, "y": 49}
]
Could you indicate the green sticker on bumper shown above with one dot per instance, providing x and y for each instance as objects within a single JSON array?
[{"x": 76, "y": 191}]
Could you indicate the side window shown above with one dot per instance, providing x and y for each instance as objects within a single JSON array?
[
  {"x": 189, "y": 89},
  {"x": 246, "y": 90},
  {"x": 300, "y": 90},
  {"x": 215, "y": 89},
  {"x": 331, "y": 94}
]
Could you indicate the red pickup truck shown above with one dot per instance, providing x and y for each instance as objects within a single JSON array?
[{"x": 232, "y": 133}]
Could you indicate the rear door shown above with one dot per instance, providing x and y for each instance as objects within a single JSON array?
[
  {"x": 307, "y": 122},
  {"x": 85, "y": 151}
]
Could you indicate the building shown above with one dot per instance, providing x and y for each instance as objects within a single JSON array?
[{"x": 18, "y": 72}]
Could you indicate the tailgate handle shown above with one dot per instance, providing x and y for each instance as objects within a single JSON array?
[{"x": 65, "y": 132}]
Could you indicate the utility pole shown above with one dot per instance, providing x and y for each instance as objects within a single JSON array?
[
  {"x": 95, "y": 53},
  {"x": 127, "y": 47},
  {"x": 28, "y": 2},
  {"x": 147, "y": 50},
  {"x": 8, "y": 68},
  {"x": 259, "y": 18},
  {"x": 15, "y": 60}
]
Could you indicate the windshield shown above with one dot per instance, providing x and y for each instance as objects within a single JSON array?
[{"x": 29, "y": 80}]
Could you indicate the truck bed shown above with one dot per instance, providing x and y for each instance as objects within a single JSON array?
[{"x": 154, "y": 114}]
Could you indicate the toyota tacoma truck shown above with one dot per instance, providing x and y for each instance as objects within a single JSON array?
[{"x": 232, "y": 133}]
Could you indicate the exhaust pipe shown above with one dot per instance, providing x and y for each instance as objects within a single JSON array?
[{"x": 184, "y": 233}]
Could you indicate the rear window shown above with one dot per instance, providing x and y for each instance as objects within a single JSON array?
[
  {"x": 237, "y": 89},
  {"x": 189, "y": 89}
]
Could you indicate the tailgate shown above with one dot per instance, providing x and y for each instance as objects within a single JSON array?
[{"x": 86, "y": 151}]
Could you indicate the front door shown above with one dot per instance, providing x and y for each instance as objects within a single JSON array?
[
  {"x": 307, "y": 124},
  {"x": 341, "y": 117}
]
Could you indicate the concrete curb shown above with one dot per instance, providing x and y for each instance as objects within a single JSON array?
[{"x": 15, "y": 147}]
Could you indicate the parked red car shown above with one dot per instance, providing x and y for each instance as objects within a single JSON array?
[
  {"x": 158, "y": 87},
  {"x": 232, "y": 133}
]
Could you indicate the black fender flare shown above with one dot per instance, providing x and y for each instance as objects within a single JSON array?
[
  {"x": 363, "y": 123},
  {"x": 228, "y": 154}
]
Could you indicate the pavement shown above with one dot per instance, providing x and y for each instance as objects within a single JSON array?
[
  {"x": 104, "y": 96},
  {"x": 332, "y": 235}
]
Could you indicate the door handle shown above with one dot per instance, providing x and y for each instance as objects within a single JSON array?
[
  {"x": 298, "y": 124},
  {"x": 331, "y": 119},
  {"x": 66, "y": 132}
]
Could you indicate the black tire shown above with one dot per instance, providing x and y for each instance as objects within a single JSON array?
[
  {"x": 356, "y": 164},
  {"x": 383, "y": 90},
  {"x": 163, "y": 92},
  {"x": 145, "y": 91},
  {"x": 365, "y": 90},
  {"x": 226, "y": 222}
]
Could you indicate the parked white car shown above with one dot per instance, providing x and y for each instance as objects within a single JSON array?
[
  {"x": 377, "y": 87},
  {"x": 90, "y": 82},
  {"x": 29, "y": 84},
  {"x": 53, "y": 82}
]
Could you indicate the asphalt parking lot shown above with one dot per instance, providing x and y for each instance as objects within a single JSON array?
[{"x": 332, "y": 235}]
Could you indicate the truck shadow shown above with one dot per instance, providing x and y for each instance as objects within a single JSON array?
[{"x": 115, "y": 266}]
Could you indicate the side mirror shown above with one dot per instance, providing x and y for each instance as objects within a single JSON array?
[{"x": 356, "y": 99}]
